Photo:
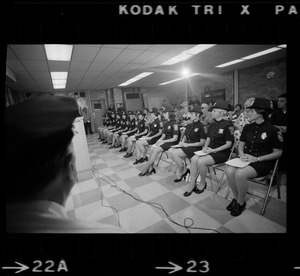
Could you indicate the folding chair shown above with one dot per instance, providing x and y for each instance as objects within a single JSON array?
[
  {"x": 221, "y": 167},
  {"x": 268, "y": 181}
]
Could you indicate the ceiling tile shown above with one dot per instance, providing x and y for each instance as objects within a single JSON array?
[
  {"x": 107, "y": 54},
  {"x": 79, "y": 66},
  {"x": 15, "y": 65},
  {"x": 127, "y": 56},
  {"x": 84, "y": 53},
  {"x": 32, "y": 65},
  {"x": 98, "y": 66},
  {"x": 29, "y": 52}
]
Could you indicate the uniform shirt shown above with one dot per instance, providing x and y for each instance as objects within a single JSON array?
[
  {"x": 260, "y": 139},
  {"x": 219, "y": 132},
  {"x": 123, "y": 123},
  {"x": 43, "y": 216},
  {"x": 155, "y": 127},
  {"x": 279, "y": 118},
  {"x": 133, "y": 124},
  {"x": 118, "y": 123},
  {"x": 141, "y": 126},
  {"x": 194, "y": 132},
  {"x": 169, "y": 130}
]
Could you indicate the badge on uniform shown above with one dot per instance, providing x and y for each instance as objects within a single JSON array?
[
  {"x": 155, "y": 125},
  {"x": 196, "y": 129},
  {"x": 263, "y": 136},
  {"x": 169, "y": 127},
  {"x": 221, "y": 130},
  {"x": 279, "y": 135}
]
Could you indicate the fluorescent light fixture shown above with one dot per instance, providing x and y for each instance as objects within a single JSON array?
[
  {"x": 258, "y": 54},
  {"x": 185, "y": 55},
  {"x": 59, "y": 86},
  {"x": 59, "y": 81},
  {"x": 271, "y": 50},
  {"x": 59, "y": 75},
  {"x": 58, "y": 52},
  {"x": 229, "y": 63},
  {"x": 136, "y": 78},
  {"x": 188, "y": 76}
]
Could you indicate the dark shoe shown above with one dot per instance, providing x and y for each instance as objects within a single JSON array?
[
  {"x": 188, "y": 193},
  {"x": 143, "y": 173},
  {"x": 108, "y": 144},
  {"x": 142, "y": 160},
  {"x": 183, "y": 176},
  {"x": 199, "y": 191},
  {"x": 231, "y": 205},
  {"x": 151, "y": 172},
  {"x": 136, "y": 161},
  {"x": 128, "y": 155},
  {"x": 238, "y": 209},
  {"x": 122, "y": 149},
  {"x": 104, "y": 142},
  {"x": 111, "y": 147}
]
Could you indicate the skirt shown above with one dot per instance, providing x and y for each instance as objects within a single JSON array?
[
  {"x": 221, "y": 156},
  {"x": 263, "y": 168},
  {"x": 189, "y": 151},
  {"x": 166, "y": 146},
  {"x": 153, "y": 140}
]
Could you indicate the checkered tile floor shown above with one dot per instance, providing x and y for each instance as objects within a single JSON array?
[{"x": 102, "y": 199}]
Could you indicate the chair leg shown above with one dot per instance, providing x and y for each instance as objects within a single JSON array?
[{"x": 221, "y": 180}]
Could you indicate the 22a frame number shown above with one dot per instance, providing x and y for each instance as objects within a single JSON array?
[
  {"x": 204, "y": 266},
  {"x": 49, "y": 266}
]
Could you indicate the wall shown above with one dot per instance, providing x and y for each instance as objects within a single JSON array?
[{"x": 253, "y": 81}]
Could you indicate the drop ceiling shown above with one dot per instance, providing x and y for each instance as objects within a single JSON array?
[{"x": 96, "y": 67}]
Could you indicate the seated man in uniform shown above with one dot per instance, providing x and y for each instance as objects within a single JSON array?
[{"x": 37, "y": 189}]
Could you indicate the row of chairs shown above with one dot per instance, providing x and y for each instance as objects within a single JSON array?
[{"x": 267, "y": 180}]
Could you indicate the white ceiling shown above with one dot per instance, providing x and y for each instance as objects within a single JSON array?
[{"x": 95, "y": 67}]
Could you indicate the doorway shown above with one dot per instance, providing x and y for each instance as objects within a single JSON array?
[{"x": 98, "y": 109}]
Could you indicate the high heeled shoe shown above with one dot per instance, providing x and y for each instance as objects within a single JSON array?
[
  {"x": 182, "y": 176},
  {"x": 151, "y": 172},
  {"x": 143, "y": 173},
  {"x": 199, "y": 191}
]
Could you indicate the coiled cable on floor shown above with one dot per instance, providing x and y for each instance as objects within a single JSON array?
[{"x": 153, "y": 204}]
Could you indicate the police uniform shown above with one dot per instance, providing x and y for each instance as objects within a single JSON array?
[
  {"x": 155, "y": 127},
  {"x": 260, "y": 139},
  {"x": 141, "y": 128},
  {"x": 132, "y": 126},
  {"x": 194, "y": 133},
  {"x": 219, "y": 133},
  {"x": 125, "y": 124},
  {"x": 169, "y": 131}
]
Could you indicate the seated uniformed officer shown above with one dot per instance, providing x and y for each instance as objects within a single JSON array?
[
  {"x": 217, "y": 146},
  {"x": 260, "y": 144},
  {"x": 37, "y": 190},
  {"x": 142, "y": 130},
  {"x": 131, "y": 130},
  {"x": 169, "y": 138},
  {"x": 151, "y": 138},
  {"x": 193, "y": 140}
]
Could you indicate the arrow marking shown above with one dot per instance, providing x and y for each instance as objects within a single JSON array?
[
  {"x": 174, "y": 267},
  {"x": 20, "y": 267}
]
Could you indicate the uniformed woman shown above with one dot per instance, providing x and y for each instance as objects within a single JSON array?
[
  {"x": 217, "y": 147},
  {"x": 142, "y": 130},
  {"x": 125, "y": 123},
  {"x": 260, "y": 144},
  {"x": 104, "y": 125},
  {"x": 110, "y": 125},
  {"x": 155, "y": 132},
  {"x": 133, "y": 128},
  {"x": 117, "y": 127},
  {"x": 193, "y": 140},
  {"x": 169, "y": 138}
]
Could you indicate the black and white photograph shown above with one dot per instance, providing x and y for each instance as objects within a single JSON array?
[{"x": 150, "y": 138}]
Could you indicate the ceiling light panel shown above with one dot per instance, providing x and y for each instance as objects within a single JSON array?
[{"x": 58, "y": 52}]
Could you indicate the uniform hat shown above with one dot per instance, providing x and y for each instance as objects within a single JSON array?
[
  {"x": 39, "y": 127},
  {"x": 154, "y": 110},
  {"x": 261, "y": 103},
  {"x": 168, "y": 109},
  {"x": 282, "y": 96},
  {"x": 221, "y": 105},
  {"x": 195, "y": 108},
  {"x": 140, "y": 112}
]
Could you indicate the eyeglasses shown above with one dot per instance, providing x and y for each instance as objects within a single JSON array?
[{"x": 202, "y": 107}]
